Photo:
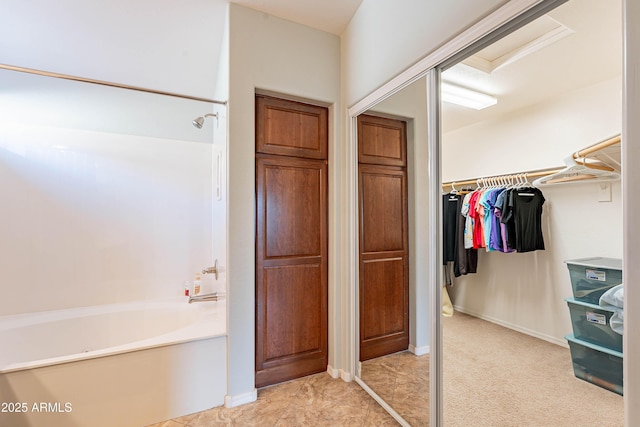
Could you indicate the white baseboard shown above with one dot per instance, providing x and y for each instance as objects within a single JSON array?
[
  {"x": 419, "y": 351},
  {"x": 339, "y": 373},
  {"x": 241, "y": 399},
  {"x": 526, "y": 331},
  {"x": 346, "y": 376},
  {"x": 335, "y": 373}
]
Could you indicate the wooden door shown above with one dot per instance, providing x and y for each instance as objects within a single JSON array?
[
  {"x": 291, "y": 240},
  {"x": 384, "y": 265}
]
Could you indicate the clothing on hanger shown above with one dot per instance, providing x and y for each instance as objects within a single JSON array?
[
  {"x": 465, "y": 260},
  {"x": 503, "y": 218},
  {"x": 524, "y": 206}
]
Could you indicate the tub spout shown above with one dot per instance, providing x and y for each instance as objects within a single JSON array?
[{"x": 214, "y": 296}]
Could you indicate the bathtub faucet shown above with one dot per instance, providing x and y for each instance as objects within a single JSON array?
[
  {"x": 214, "y": 296},
  {"x": 212, "y": 270}
]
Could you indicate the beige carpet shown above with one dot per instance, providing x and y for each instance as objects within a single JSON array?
[{"x": 494, "y": 376}]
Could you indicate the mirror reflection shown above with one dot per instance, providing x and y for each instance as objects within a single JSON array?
[{"x": 393, "y": 295}]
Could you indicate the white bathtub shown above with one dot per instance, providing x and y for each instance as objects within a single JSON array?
[{"x": 123, "y": 364}]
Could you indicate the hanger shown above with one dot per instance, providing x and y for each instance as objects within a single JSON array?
[
  {"x": 577, "y": 169},
  {"x": 518, "y": 182},
  {"x": 525, "y": 185},
  {"x": 453, "y": 188}
]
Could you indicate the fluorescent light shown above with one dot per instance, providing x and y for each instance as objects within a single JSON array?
[{"x": 466, "y": 97}]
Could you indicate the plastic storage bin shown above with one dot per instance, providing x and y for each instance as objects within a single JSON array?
[
  {"x": 596, "y": 364},
  {"x": 591, "y": 323},
  {"x": 591, "y": 277}
]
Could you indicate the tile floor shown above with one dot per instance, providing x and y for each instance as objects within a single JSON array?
[
  {"x": 316, "y": 400},
  {"x": 402, "y": 380}
]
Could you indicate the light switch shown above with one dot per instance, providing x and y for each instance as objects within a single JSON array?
[{"x": 604, "y": 191}]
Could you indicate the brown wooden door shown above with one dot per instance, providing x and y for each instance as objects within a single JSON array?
[
  {"x": 291, "y": 241},
  {"x": 384, "y": 265}
]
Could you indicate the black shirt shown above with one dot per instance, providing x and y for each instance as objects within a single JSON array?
[{"x": 526, "y": 207}]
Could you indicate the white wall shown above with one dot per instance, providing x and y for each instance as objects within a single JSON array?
[
  {"x": 46, "y": 101},
  {"x": 272, "y": 54},
  {"x": 526, "y": 291},
  {"x": 411, "y": 103},
  {"x": 91, "y": 217},
  {"x": 536, "y": 137},
  {"x": 385, "y": 38},
  {"x": 161, "y": 44}
]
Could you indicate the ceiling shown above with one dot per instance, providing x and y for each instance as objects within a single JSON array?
[
  {"x": 331, "y": 16},
  {"x": 589, "y": 52}
]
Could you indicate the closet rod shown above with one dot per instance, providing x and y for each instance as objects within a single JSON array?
[
  {"x": 596, "y": 147},
  {"x": 535, "y": 174},
  {"x": 105, "y": 83}
]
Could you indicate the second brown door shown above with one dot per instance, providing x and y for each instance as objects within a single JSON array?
[{"x": 384, "y": 264}]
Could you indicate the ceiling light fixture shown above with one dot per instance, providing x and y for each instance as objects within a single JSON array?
[{"x": 466, "y": 97}]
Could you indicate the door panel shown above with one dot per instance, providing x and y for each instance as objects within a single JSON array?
[
  {"x": 291, "y": 243},
  {"x": 383, "y": 301},
  {"x": 381, "y": 194},
  {"x": 382, "y": 141},
  {"x": 384, "y": 263},
  {"x": 293, "y": 311},
  {"x": 292, "y": 211},
  {"x": 291, "y": 128}
]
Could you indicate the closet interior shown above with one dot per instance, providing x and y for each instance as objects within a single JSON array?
[{"x": 531, "y": 184}]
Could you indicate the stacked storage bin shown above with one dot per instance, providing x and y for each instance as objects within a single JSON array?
[{"x": 596, "y": 350}]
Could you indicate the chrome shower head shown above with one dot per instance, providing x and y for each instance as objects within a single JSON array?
[{"x": 199, "y": 121}]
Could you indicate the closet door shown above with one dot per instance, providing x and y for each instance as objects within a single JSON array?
[
  {"x": 384, "y": 266},
  {"x": 291, "y": 242}
]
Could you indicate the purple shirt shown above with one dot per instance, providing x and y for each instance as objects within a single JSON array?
[
  {"x": 504, "y": 247},
  {"x": 495, "y": 239}
]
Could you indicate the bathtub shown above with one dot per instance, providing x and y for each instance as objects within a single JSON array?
[{"x": 129, "y": 364}]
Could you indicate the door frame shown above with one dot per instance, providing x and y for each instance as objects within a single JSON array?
[{"x": 509, "y": 15}]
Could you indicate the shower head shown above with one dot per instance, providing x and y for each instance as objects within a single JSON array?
[{"x": 199, "y": 121}]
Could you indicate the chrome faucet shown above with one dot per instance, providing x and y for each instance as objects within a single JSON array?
[
  {"x": 214, "y": 296},
  {"x": 212, "y": 270}
]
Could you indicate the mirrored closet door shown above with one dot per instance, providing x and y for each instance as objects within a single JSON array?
[
  {"x": 552, "y": 88},
  {"x": 392, "y": 294}
]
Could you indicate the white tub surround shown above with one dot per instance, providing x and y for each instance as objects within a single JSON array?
[{"x": 120, "y": 364}]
